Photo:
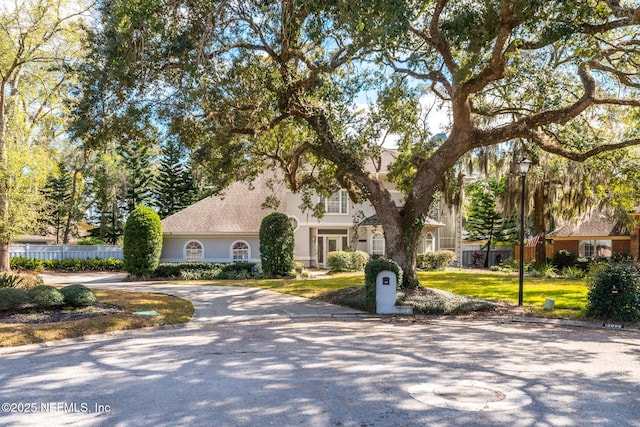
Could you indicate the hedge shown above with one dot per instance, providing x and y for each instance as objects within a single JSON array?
[
  {"x": 277, "y": 244},
  {"x": 142, "y": 243},
  {"x": 438, "y": 260},
  {"x": 338, "y": 261},
  {"x": 207, "y": 271},
  {"x": 69, "y": 265}
]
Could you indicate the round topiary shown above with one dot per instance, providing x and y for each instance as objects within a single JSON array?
[
  {"x": 46, "y": 296},
  {"x": 371, "y": 271},
  {"x": 277, "y": 245},
  {"x": 13, "y": 298},
  {"x": 78, "y": 295},
  {"x": 615, "y": 292},
  {"x": 142, "y": 241}
]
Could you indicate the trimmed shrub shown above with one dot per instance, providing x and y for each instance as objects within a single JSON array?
[
  {"x": 207, "y": 271},
  {"x": 438, "y": 260},
  {"x": 46, "y": 296},
  {"x": 13, "y": 298},
  {"x": 8, "y": 280},
  {"x": 277, "y": 245},
  {"x": 338, "y": 261},
  {"x": 564, "y": 258},
  {"x": 70, "y": 265},
  {"x": 28, "y": 264},
  {"x": 78, "y": 295},
  {"x": 359, "y": 260},
  {"x": 614, "y": 292},
  {"x": 371, "y": 271},
  {"x": 142, "y": 242}
]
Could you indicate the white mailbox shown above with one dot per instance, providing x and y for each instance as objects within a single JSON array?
[{"x": 386, "y": 284}]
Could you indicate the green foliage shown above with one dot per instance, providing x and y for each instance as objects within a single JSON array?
[
  {"x": 338, "y": 261},
  {"x": 26, "y": 264},
  {"x": 572, "y": 273},
  {"x": 207, "y": 271},
  {"x": 13, "y": 298},
  {"x": 78, "y": 295},
  {"x": 438, "y": 260},
  {"x": 8, "y": 280},
  {"x": 371, "y": 271},
  {"x": 564, "y": 258},
  {"x": 46, "y": 296},
  {"x": 359, "y": 260},
  {"x": 142, "y": 242},
  {"x": 614, "y": 293},
  {"x": 484, "y": 218},
  {"x": 277, "y": 245},
  {"x": 90, "y": 241},
  {"x": 68, "y": 265},
  {"x": 547, "y": 270},
  {"x": 175, "y": 187}
]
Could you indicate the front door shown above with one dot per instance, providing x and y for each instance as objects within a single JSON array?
[{"x": 328, "y": 244}]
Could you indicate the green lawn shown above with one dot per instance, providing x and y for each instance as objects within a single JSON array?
[{"x": 570, "y": 296}]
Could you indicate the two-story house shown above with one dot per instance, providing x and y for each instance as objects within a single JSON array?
[{"x": 225, "y": 228}]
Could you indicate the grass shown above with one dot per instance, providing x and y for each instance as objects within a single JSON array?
[
  {"x": 346, "y": 289},
  {"x": 570, "y": 296},
  {"x": 172, "y": 310}
]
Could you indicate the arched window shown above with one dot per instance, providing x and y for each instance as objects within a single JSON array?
[
  {"x": 240, "y": 252},
  {"x": 429, "y": 243},
  {"x": 377, "y": 244},
  {"x": 294, "y": 223},
  {"x": 194, "y": 251}
]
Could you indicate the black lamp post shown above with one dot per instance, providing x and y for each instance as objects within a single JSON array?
[{"x": 524, "y": 168}]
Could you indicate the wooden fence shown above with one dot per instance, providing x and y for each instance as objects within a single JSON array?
[{"x": 530, "y": 252}]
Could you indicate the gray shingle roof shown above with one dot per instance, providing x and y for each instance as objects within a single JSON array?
[
  {"x": 238, "y": 211},
  {"x": 594, "y": 225}
]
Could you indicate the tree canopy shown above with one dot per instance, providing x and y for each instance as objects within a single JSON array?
[{"x": 314, "y": 87}]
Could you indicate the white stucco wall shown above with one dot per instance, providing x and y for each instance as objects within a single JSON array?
[{"x": 216, "y": 248}]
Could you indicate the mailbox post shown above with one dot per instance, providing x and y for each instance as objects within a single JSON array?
[{"x": 386, "y": 284}]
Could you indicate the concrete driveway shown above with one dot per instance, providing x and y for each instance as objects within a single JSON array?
[{"x": 311, "y": 370}]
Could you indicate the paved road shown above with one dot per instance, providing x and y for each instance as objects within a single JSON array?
[{"x": 289, "y": 370}]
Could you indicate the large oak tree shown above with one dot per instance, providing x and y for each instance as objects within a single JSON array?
[{"x": 248, "y": 84}]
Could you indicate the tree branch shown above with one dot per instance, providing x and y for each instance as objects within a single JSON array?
[{"x": 542, "y": 141}]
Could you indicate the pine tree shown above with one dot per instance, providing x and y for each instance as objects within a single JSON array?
[
  {"x": 58, "y": 194},
  {"x": 138, "y": 186},
  {"x": 485, "y": 220},
  {"x": 175, "y": 188}
]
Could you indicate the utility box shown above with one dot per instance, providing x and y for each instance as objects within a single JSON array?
[{"x": 386, "y": 284}]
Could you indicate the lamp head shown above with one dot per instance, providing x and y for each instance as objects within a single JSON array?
[{"x": 524, "y": 165}]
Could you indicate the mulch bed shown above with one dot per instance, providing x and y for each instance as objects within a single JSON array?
[{"x": 53, "y": 315}]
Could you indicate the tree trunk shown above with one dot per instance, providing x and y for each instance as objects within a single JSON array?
[
  {"x": 72, "y": 206},
  {"x": 540, "y": 224},
  {"x": 5, "y": 262}
]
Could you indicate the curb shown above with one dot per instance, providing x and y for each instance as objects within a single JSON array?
[{"x": 576, "y": 323}]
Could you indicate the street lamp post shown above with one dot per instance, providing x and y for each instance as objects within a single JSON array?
[{"x": 524, "y": 168}]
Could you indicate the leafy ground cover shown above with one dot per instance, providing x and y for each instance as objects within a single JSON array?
[{"x": 171, "y": 310}]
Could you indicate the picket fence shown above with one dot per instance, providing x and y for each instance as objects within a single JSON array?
[{"x": 60, "y": 252}]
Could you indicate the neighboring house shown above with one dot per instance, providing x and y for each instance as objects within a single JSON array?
[
  {"x": 594, "y": 236},
  {"x": 225, "y": 228}
]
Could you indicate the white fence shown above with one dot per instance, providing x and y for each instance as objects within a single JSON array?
[{"x": 66, "y": 251}]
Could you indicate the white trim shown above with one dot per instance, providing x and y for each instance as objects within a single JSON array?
[
  {"x": 184, "y": 250},
  {"x": 384, "y": 245},
  {"x": 297, "y": 227},
  {"x": 248, "y": 251}
]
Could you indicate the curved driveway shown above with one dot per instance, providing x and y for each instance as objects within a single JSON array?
[{"x": 287, "y": 363}]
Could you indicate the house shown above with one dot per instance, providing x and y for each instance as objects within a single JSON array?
[
  {"x": 225, "y": 228},
  {"x": 595, "y": 235}
]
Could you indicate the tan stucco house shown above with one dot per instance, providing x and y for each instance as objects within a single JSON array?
[{"x": 225, "y": 228}]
